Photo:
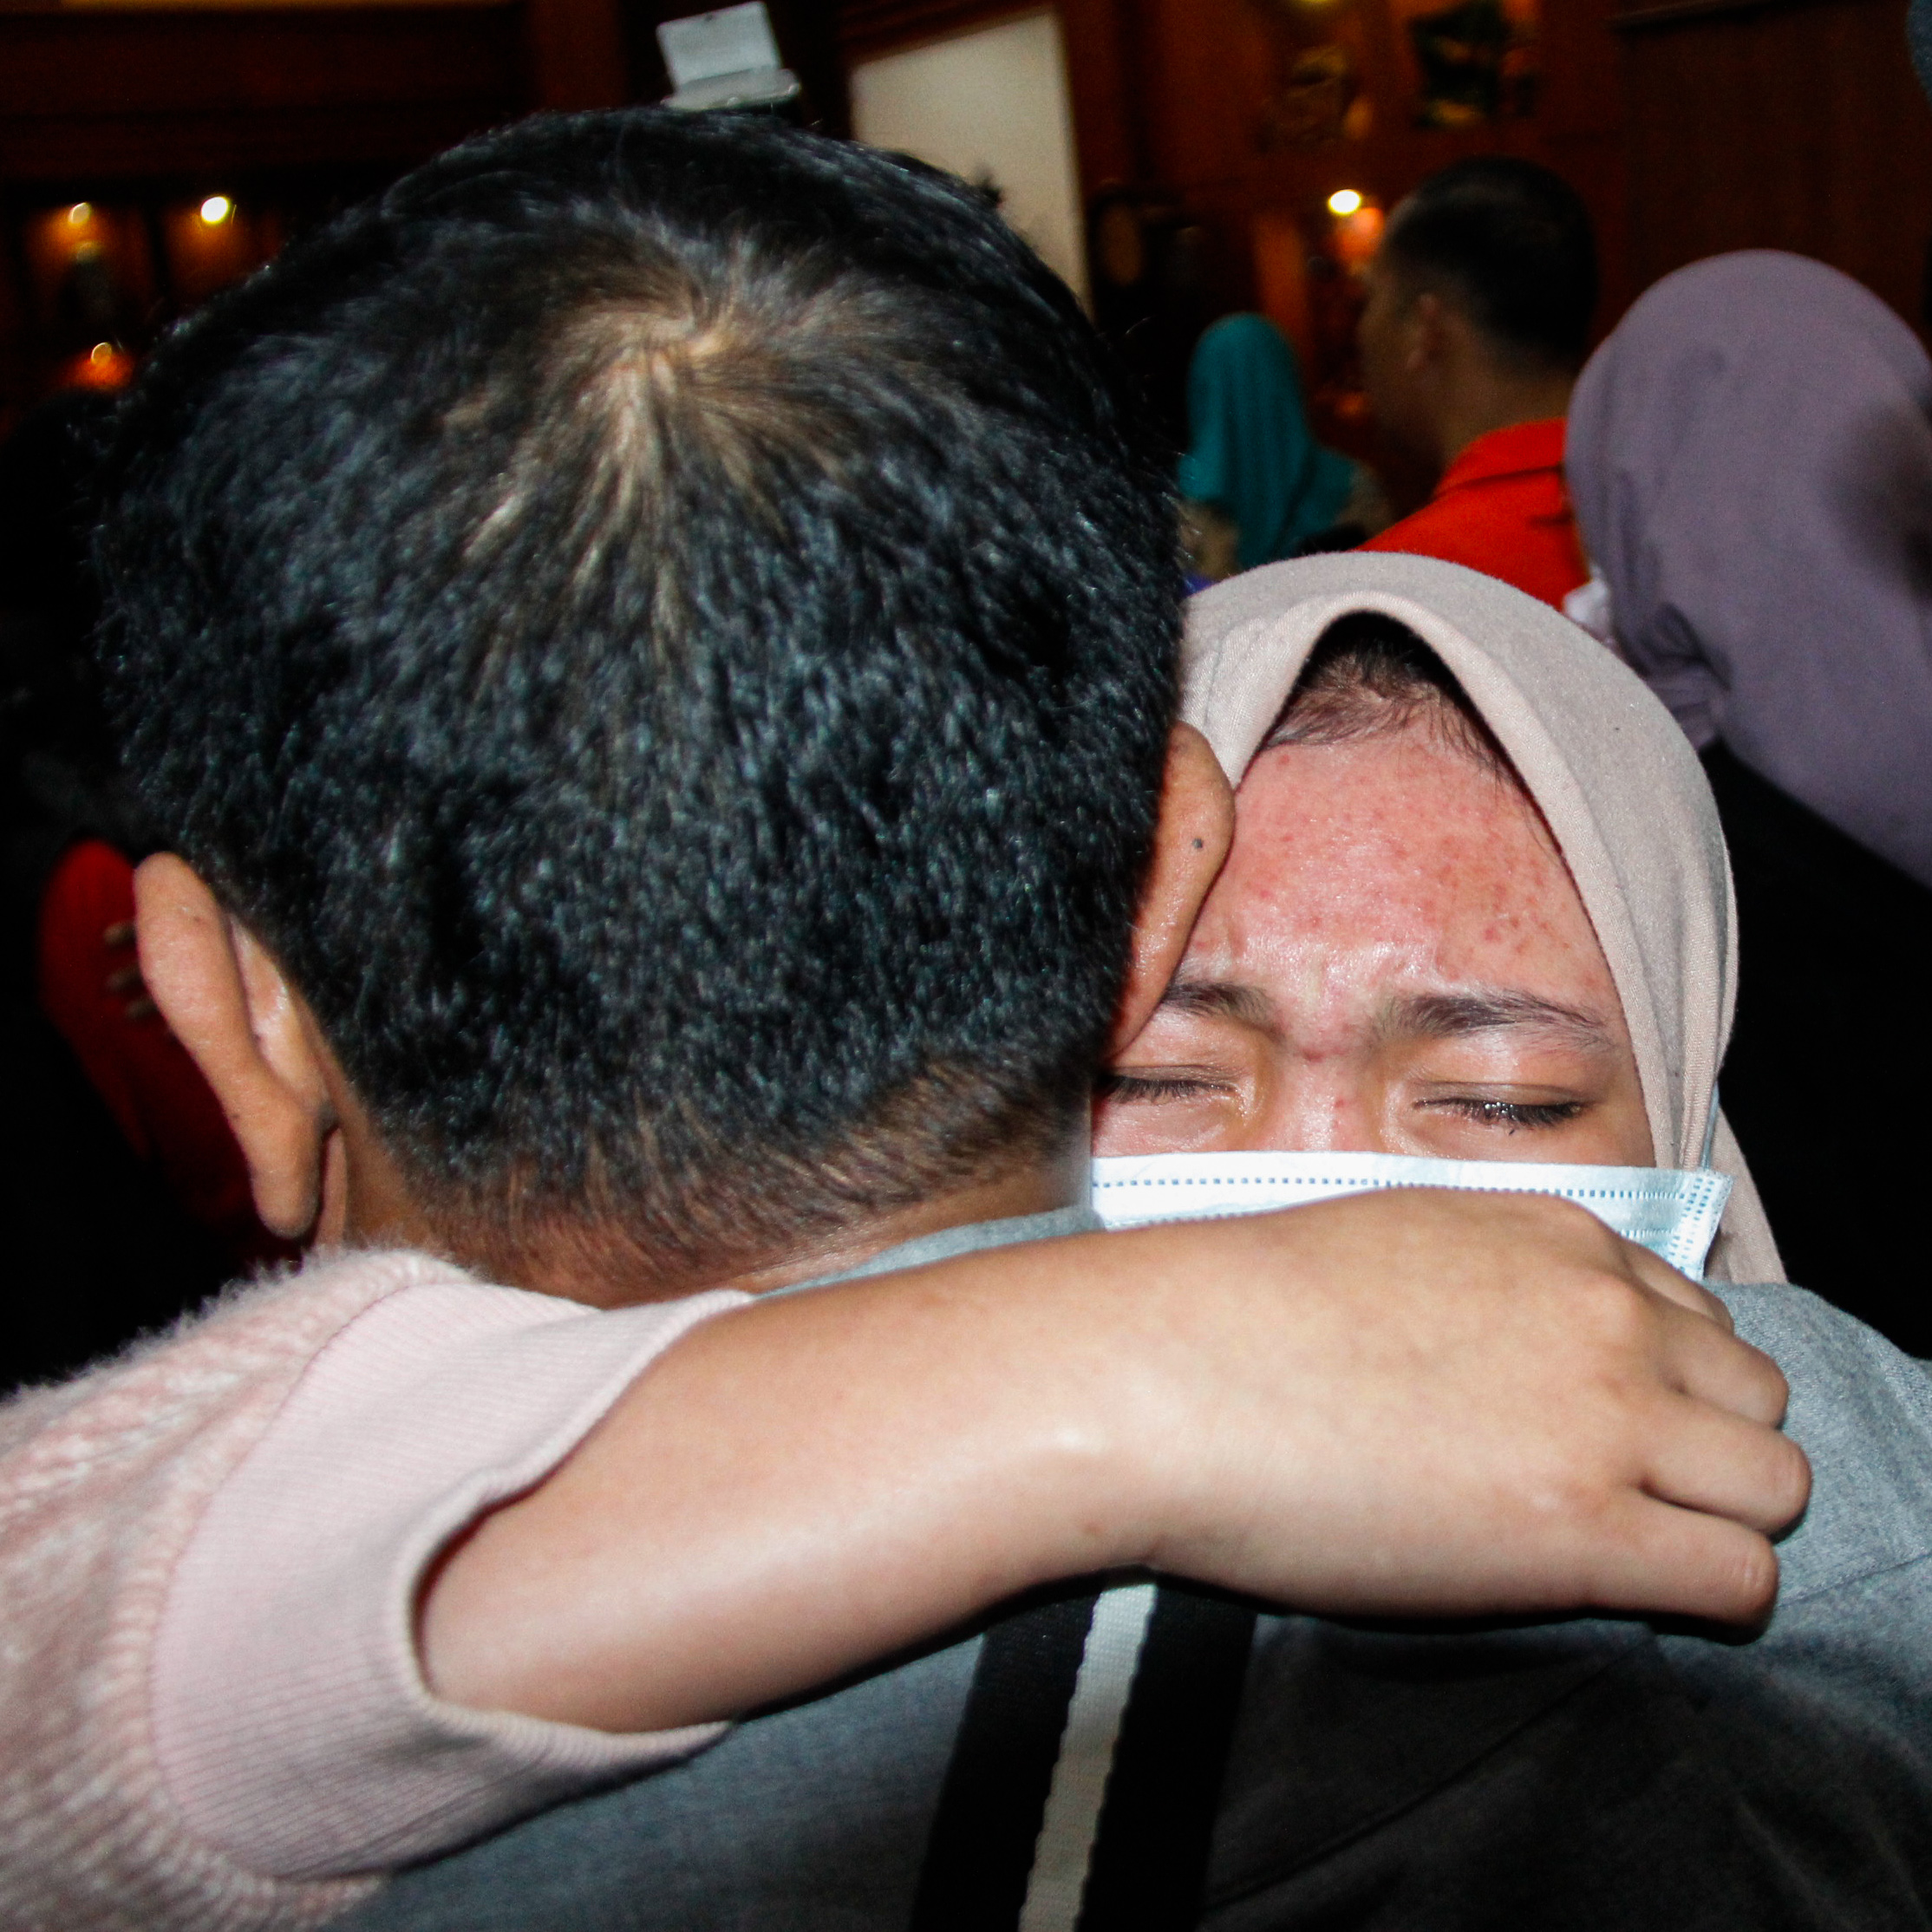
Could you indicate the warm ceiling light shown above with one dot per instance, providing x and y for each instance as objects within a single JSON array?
[
  {"x": 101, "y": 352},
  {"x": 1344, "y": 201},
  {"x": 81, "y": 212},
  {"x": 216, "y": 209}
]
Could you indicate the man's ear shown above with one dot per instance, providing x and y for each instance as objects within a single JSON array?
[
  {"x": 1427, "y": 326},
  {"x": 1191, "y": 841},
  {"x": 248, "y": 1032}
]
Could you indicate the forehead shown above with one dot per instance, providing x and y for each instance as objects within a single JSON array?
[{"x": 1396, "y": 849}]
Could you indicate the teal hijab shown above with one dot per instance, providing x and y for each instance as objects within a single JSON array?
[{"x": 1253, "y": 455}]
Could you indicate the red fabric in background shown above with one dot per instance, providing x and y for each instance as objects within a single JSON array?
[
  {"x": 155, "y": 1093},
  {"x": 1502, "y": 508}
]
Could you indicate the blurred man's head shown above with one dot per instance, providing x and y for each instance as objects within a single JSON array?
[
  {"x": 1479, "y": 304},
  {"x": 662, "y": 629}
]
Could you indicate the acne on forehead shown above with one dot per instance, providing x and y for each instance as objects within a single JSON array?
[{"x": 1398, "y": 845}]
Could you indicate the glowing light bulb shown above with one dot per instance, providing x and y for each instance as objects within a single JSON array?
[
  {"x": 100, "y": 353},
  {"x": 216, "y": 209},
  {"x": 1344, "y": 201},
  {"x": 80, "y": 214}
]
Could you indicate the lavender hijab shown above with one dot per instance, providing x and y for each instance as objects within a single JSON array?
[{"x": 1750, "y": 457}]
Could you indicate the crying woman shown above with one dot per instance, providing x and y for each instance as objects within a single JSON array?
[{"x": 1476, "y": 912}]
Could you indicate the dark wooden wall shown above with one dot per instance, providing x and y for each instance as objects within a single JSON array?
[
  {"x": 1689, "y": 126},
  {"x": 97, "y": 93},
  {"x": 1199, "y": 75},
  {"x": 290, "y": 111},
  {"x": 1184, "y": 99},
  {"x": 95, "y": 97},
  {"x": 1798, "y": 125}
]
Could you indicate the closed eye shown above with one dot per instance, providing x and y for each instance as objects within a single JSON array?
[
  {"x": 1511, "y": 1114},
  {"x": 1150, "y": 1089}
]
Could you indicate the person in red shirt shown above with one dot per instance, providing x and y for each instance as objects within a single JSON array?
[{"x": 1478, "y": 312}]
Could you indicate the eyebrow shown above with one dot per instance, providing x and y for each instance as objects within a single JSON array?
[
  {"x": 1214, "y": 999},
  {"x": 1411, "y": 1016},
  {"x": 1490, "y": 1010}
]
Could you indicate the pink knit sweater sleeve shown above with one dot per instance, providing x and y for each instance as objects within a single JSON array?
[{"x": 210, "y": 1712}]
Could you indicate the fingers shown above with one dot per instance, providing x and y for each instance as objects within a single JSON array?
[
  {"x": 1662, "y": 1278},
  {"x": 1578, "y": 1423},
  {"x": 1711, "y": 1365},
  {"x": 1705, "y": 1458},
  {"x": 127, "y": 984},
  {"x": 1653, "y": 1557},
  {"x": 1640, "y": 1304}
]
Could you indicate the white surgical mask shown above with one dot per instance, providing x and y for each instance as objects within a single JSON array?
[{"x": 1673, "y": 1212}]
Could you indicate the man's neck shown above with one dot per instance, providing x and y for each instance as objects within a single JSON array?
[
  {"x": 1485, "y": 400},
  {"x": 602, "y": 1267},
  {"x": 1037, "y": 1189}
]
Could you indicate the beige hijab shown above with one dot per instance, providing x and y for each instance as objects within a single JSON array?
[{"x": 1616, "y": 780}]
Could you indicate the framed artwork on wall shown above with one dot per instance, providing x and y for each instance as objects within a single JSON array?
[
  {"x": 1471, "y": 62},
  {"x": 1318, "y": 91}
]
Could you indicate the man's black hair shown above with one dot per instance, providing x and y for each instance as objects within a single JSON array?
[
  {"x": 1512, "y": 244},
  {"x": 665, "y": 626}
]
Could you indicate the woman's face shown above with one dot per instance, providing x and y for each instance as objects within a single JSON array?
[{"x": 1393, "y": 961}]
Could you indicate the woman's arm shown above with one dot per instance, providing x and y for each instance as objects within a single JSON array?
[{"x": 1409, "y": 1402}]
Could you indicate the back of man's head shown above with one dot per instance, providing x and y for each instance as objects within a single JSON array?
[
  {"x": 665, "y": 627},
  {"x": 1511, "y": 244}
]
